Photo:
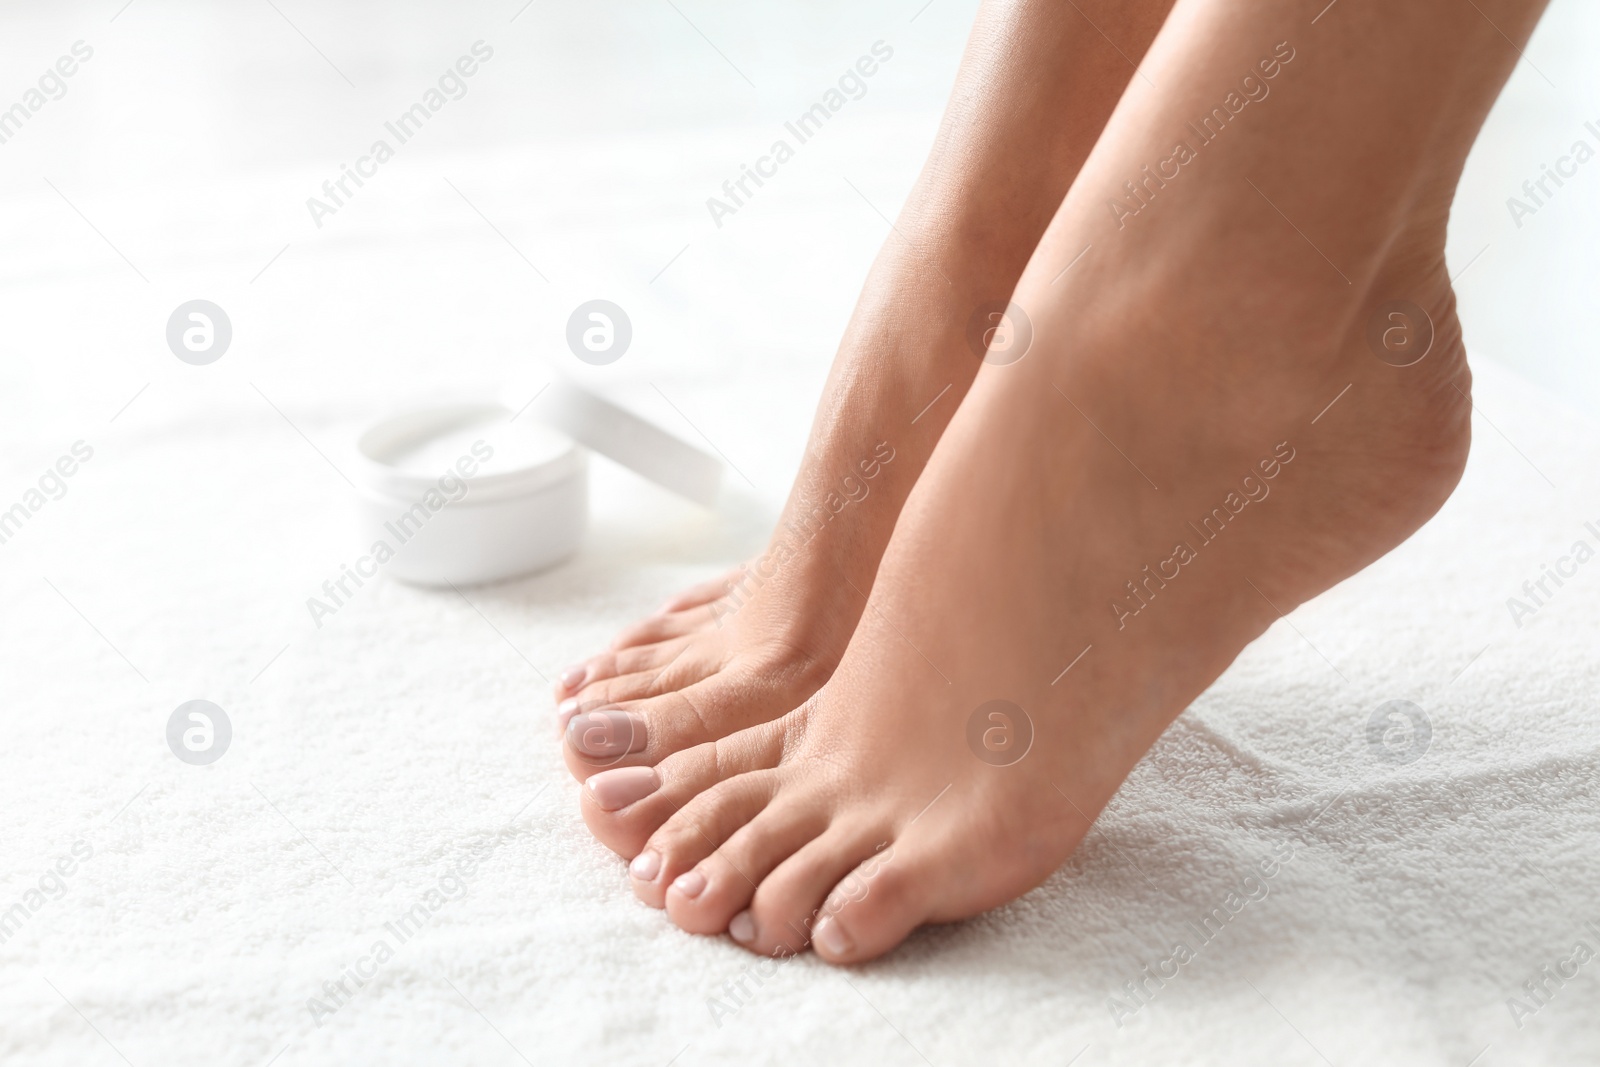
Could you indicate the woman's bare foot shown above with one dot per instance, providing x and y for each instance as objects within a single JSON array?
[
  {"x": 747, "y": 648},
  {"x": 1213, "y": 426}
]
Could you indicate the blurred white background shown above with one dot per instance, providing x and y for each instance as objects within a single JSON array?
[
  {"x": 177, "y": 165},
  {"x": 193, "y": 137},
  {"x": 577, "y": 166}
]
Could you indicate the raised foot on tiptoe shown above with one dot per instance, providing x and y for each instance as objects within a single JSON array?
[{"x": 1031, "y": 635}]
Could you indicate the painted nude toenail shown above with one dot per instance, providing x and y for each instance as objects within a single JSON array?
[
  {"x": 646, "y": 865},
  {"x": 606, "y": 733},
  {"x": 565, "y": 711},
  {"x": 831, "y": 938},
  {"x": 614, "y": 790},
  {"x": 573, "y": 677},
  {"x": 690, "y": 885},
  {"x": 743, "y": 928}
]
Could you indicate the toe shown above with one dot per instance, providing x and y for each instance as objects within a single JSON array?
[
  {"x": 659, "y": 628},
  {"x": 874, "y": 907},
  {"x": 789, "y": 902},
  {"x": 648, "y": 731},
  {"x": 632, "y": 660},
  {"x": 704, "y": 592},
  {"x": 667, "y": 863},
  {"x": 641, "y": 673},
  {"x": 606, "y": 693},
  {"x": 623, "y": 806},
  {"x": 731, "y": 874}
]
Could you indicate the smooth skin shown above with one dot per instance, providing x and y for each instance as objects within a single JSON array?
[{"x": 1210, "y": 360}]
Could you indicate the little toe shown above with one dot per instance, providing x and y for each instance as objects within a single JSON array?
[
  {"x": 680, "y": 664},
  {"x": 704, "y": 592},
  {"x": 632, "y": 660},
  {"x": 659, "y": 628}
]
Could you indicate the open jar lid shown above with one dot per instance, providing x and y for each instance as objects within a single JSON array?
[
  {"x": 620, "y": 435},
  {"x": 403, "y": 455}
]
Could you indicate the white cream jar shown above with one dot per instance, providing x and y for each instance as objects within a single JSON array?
[{"x": 468, "y": 493}]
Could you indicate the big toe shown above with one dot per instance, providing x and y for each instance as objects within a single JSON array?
[
  {"x": 645, "y": 732},
  {"x": 624, "y": 806}
]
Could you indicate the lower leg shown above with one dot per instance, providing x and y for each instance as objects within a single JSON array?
[{"x": 1036, "y": 85}]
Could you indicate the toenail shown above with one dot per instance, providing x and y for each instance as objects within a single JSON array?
[
  {"x": 690, "y": 885},
  {"x": 606, "y": 733},
  {"x": 614, "y": 790},
  {"x": 573, "y": 677},
  {"x": 743, "y": 928},
  {"x": 646, "y": 865},
  {"x": 565, "y": 711},
  {"x": 831, "y": 937}
]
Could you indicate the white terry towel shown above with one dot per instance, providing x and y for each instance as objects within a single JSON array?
[{"x": 393, "y": 781}]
